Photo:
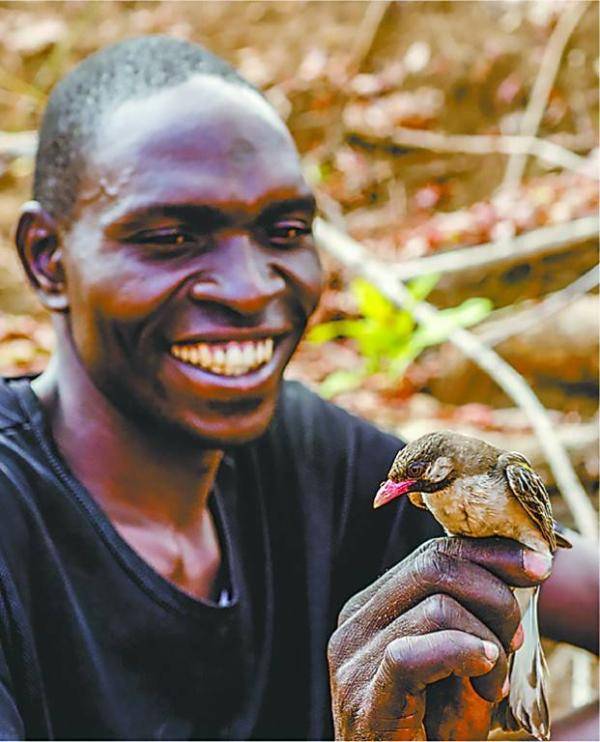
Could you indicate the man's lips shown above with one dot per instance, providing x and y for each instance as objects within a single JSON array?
[
  {"x": 389, "y": 490},
  {"x": 226, "y": 359},
  {"x": 225, "y": 377},
  {"x": 239, "y": 334},
  {"x": 231, "y": 351}
]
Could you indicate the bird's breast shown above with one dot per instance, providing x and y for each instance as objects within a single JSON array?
[{"x": 481, "y": 506}]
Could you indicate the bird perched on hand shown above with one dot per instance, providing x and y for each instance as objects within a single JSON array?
[{"x": 475, "y": 489}]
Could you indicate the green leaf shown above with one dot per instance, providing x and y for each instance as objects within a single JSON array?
[
  {"x": 470, "y": 312},
  {"x": 398, "y": 365},
  {"x": 323, "y": 332},
  {"x": 342, "y": 328},
  {"x": 371, "y": 302},
  {"x": 433, "y": 333},
  {"x": 373, "y": 340},
  {"x": 339, "y": 382},
  {"x": 422, "y": 286},
  {"x": 404, "y": 324}
]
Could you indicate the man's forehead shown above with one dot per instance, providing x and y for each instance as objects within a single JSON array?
[
  {"x": 207, "y": 114},
  {"x": 202, "y": 141}
]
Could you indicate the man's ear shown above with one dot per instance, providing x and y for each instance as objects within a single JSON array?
[{"x": 40, "y": 249}]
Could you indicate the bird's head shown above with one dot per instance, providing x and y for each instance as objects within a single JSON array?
[{"x": 430, "y": 464}]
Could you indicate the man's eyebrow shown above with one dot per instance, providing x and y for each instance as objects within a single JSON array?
[
  {"x": 188, "y": 213},
  {"x": 303, "y": 203},
  {"x": 204, "y": 214}
]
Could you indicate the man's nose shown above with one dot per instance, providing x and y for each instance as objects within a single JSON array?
[{"x": 243, "y": 277}]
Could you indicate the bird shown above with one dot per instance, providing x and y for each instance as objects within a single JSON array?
[{"x": 478, "y": 490}]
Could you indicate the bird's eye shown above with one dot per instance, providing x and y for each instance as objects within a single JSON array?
[{"x": 416, "y": 469}]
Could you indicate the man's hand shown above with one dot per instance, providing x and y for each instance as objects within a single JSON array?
[{"x": 422, "y": 653}]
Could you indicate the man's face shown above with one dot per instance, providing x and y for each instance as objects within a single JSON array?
[{"x": 190, "y": 265}]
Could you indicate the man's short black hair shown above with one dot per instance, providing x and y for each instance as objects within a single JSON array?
[{"x": 130, "y": 69}]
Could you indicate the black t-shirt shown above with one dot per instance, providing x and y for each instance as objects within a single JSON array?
[{"x": 94, "y": 644}]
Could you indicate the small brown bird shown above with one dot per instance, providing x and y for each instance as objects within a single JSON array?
[{"x": 475, "y": 489}]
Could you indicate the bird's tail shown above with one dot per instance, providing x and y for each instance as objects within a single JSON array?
[{"x": 526, "y": 705}]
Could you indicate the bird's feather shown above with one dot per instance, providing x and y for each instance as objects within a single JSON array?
[
  {"x": 528, "y": 488},
  {"x": 528, "y": 672}
]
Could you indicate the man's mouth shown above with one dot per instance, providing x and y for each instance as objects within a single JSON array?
[{"x": 226, "y": 359}]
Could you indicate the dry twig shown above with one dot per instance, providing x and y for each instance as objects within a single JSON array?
[
  {"x": 507, "y": 327},
  {"x": 367, "y": 31},
  {"x": 18, "y": 143},
  {"x": 542, "y": 241},
  {"x": 543, "y": 85},
  {"x": 482, "y": 144},
  {"x": 352, "y": 254}
]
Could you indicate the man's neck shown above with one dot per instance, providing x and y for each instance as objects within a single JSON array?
[
  {"x": 154, "y": 489},
  {"x": 133, "y": 475}
]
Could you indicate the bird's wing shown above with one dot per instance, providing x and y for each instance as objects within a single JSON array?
[{"x": 529, "y": 490}]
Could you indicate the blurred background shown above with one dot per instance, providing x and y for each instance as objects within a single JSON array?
[{"x": 457, "y": 144}]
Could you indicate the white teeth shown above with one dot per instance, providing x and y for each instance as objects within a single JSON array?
[
  {"x": 219, "y": 357},
  {"x": 205, "y": 355},
  {"x": 231, "y": 359},
  {"x": 234, "y": 355},
  {"x": 249, "y": 355}
]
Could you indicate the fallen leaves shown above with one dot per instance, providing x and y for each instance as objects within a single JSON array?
[{"x": 25, "y": 344}]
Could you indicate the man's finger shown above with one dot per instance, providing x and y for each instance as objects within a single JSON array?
[
  {"x": 506, "y": 559},
  {"x": 513, "y": 563},
  {"x": 410, "y": 663},
  {"x": 439, "y": 613},
  {"x": 432, "y": 572}
]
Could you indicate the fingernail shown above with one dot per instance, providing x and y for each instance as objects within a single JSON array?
[
  {"x": 505, "y": 687},
  {"x": 518, "y": 638},
  {"x": 536, "y": 564},
  {"x": 491, "y": 651}
]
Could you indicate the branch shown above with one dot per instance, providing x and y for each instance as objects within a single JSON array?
[
  {"x": 481, "y": 144},
  {"x": 543, "y": 85},
  {"x": 356, "y": 259},
  {"x": 367, "y": 31},
  {"x": 364, "y": 39},
  {"x": 18, "y": 143},
  {"x": 544, "y": 240},
  {"x": 502, "y": 329}
]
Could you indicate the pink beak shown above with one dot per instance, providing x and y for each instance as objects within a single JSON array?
[{"x": 390, "y": 490}]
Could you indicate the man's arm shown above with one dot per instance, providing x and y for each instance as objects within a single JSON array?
[
  {"x": 569, "y": 598},
  {"x": 569, "y": 613}
]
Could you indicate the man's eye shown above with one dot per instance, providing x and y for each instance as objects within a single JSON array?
[
  {"x": 167, "y": 237},
  {"x": 288, "y": 232}
]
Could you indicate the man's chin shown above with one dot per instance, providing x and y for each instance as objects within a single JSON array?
[{"x": 222, "y": 424}]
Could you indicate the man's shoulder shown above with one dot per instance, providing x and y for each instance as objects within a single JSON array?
[
  {"x": 311, "y": 438},
  {"x": 299, "y": 404},
  {"x": 12, "y": 412},
  {"x": 315, "y": 422},
  {"x": 21, "y": 458}
]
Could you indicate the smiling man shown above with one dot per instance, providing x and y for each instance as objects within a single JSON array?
[{"x": 180, "y": 528}]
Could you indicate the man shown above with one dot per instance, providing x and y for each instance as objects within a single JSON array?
[{"x": 180, "y": 528}]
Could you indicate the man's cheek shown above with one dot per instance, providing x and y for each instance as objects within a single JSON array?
[
  {"x": 306, "y": 275},
  {"x": 126, "y": 298}
]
